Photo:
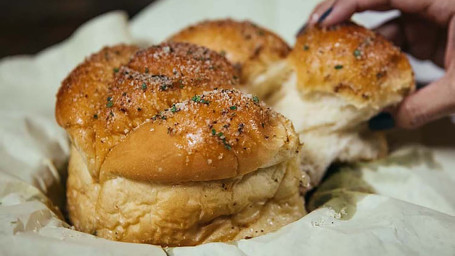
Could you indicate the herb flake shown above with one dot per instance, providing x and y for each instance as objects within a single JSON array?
[
  {"x": 338, "y": 67},
  {"x": 357, "y": 54},
  {"x": 109, "y": 103}
]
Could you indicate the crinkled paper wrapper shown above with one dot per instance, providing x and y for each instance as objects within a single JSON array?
[{"x": 402, "y": 205}]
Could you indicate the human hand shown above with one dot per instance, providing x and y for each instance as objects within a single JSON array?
[{"x": 426, "y": 30}]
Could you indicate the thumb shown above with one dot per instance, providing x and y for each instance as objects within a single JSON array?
[{"x": 432, "y": 102}]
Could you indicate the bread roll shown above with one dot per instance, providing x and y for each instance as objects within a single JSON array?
[
  {"x": 166, "y": 152},
  {"x": 258, "y": 53},
  {"x": 341, "y": 77}
]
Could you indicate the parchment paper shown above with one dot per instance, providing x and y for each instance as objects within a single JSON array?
[{"x": 401, "y": 205}]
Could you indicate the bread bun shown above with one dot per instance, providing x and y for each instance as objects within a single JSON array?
[
  {"x": 341, "y": 77},
  {"x": 166, "y": 152},
  {"x": 353, "y": 63},
  {"x": 257, "y": 52},
  {"x": 117, "y": 89}
]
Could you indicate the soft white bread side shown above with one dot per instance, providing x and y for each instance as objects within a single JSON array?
[
  {"x": 258, "y": 53},
  {"x": 341, "y": 77},
  {"x": 184, "y": 214}
]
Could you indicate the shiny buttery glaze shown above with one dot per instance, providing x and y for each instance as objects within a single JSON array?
[
  {"x": 257, "y": 52},
  {"x": 353, "y": 62}
]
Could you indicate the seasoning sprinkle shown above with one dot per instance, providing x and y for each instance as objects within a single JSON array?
[
  {"x": 223, "y": 53},
  {"x": 116, "y": 70},
  {"x": 144, "y": 86},
  {"x": 357, "y": 54},
  {"x": 109, "y": 103},
  {"x": 306, "y": 47},
  {"x": 174, "y": 109},
  {"x": 338, "y": 67},
  {"x": 95, "y": 116},
  {"x": 163, "y": 87},
  {"x": 256, "y": 99},
  {"x": 213, "y": 132},
  {"x": 146, "y": 70},
  {"x": 198, "y": 99},
  {"x": 233, "y": 107}
]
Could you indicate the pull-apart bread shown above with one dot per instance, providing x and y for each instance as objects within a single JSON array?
[
  {"x": 258, "y": 54},
  {"x": 165, "y": 150},
  {"x": 341, "y": 77}
]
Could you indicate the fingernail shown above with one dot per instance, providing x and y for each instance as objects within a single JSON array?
[
  {"x": 325, "y": 15},
  {"x": 382, "y": 121},
  {"x": 302, "y": 29}
]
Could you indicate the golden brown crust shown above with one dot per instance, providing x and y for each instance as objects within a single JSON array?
[
  {"x": 217, "y": 135},
  {"x": 115, "y": 95},
  {"x": 82, "y": 94},
  {"x": 248, "y": 46},
  {"x": 82, "y": 89},
  {"x": 353, "y": 62}
]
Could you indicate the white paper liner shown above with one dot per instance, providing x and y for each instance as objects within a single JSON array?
[{"x": 412, "y": 213}]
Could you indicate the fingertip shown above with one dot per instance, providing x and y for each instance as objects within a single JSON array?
[
  {"x": 314, "y": 17},
  {"x": 341, "y": 11},
  {"x": 318, "y": 11},
  {"x": 324, "y": 15}
]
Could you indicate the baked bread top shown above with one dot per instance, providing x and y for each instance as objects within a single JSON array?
[
  {"x": 167, "y": 114},
  {"x": 352, "y": 62},
  {"x": 217, "y": 135},
  {"x": 255, "y": 51}
]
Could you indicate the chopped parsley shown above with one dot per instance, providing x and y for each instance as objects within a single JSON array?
[
  {"x": 233, "y": 107},
  {"x": 95, "y": 116},
  {"x": 180, "y": 84},
  {"x": 163, "y": 87},
  {"x": 146, "y": 70},
  {"x": 198, "y": 99},
  {"x": 306, "y": 47},
  {"x": 357, "y": 54},
  {"x": 223, "y": 53},
  {"x": 256, "y": 99},
  {"x": 223, "y": 139},
  {"x": 144, "y": 86},
  {"x": 116, "y": 70},
  {"x": 338, "y": 67},
  {"x": 109, "y": 103},
  {"x": 174, "y": 109}
]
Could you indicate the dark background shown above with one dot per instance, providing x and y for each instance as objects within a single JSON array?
[{"x": 28, "y": 26}]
